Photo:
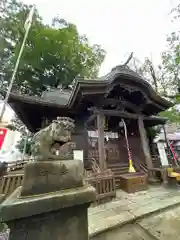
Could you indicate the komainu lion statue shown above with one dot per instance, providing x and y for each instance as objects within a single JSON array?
[{"x": 58, "y": 133}]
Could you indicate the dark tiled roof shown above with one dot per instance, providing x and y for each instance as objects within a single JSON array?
[
  {"x": 57, "y": 96},
  {"x": 120, "y": 69},
  {"x": 63, "y": 98}
]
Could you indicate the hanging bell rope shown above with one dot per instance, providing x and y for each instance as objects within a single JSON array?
[{"x": 131, "y": 168}]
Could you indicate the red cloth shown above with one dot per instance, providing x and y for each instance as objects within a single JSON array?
[
  {"x": 173, "y": 152},
  {"x": 3, "y": 132}
]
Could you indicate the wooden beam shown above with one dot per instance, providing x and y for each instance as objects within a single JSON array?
[
  {"x": 19, "y": 111},
  {"x": 110, "y": 101},
  {"x": 116, "y": 113},
  {"x": 155, "y": 104},
  {"x": 119, "y": 113},
  {"x": 90, "y": 119},
  {"x": 101, "y": 148},
  {"x": 145, "y": 143},
  {"x": 120, "y": 103}
]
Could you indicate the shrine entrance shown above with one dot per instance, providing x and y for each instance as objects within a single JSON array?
[
  {"x": 111, "y": 146},
  {"x": 115, "y": 145},
  {"x": 112, "y": 149}
]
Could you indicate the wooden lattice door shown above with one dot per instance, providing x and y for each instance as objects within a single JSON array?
[{"x": 112, "y": 151}]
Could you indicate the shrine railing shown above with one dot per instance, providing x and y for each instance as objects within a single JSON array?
[
  {"x": 156, "y": 160},
  {"x": 13, "y": 166},
  {"x": 103, "y": 182},
  {"x": 8, "y": 183}
]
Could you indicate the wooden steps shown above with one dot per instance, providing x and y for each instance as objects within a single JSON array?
[{"x": 118, "y": 169}]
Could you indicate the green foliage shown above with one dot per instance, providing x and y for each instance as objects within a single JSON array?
[
  {"x": 172, "y": 114},
  {"x": 165, "y": 78},
  {"x": 152, "y": 132},
  {"x": 54, "y": 54},
  {"x": 26, "y": 136},
  {"x": 25, "y": 141},
  {"x": 170, "y": 66}
]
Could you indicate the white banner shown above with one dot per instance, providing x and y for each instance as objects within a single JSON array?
[{"x": 162, "y": 154}]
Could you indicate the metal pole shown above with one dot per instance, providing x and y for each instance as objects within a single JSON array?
[
  {"x": 25, "y": 145},
  {"x": 14, "y": 73}
]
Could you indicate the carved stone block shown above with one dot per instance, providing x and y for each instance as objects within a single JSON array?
[
  {"x": 67, "y": 224},
  {"x": 52, "y": 176}
]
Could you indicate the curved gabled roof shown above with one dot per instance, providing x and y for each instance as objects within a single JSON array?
[
  {"x": 66, "y": 101},
  {"x": 121, "y": 75}
]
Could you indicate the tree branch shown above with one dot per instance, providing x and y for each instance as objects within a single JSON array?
[{"x": 128, "y": 60}]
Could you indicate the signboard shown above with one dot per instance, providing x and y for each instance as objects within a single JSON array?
[
  {"x": 78, "y": 155},
  {"x": 162, "y": 154}
]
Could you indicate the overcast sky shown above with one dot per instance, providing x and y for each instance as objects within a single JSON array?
[{"x": 120, "y": 26}]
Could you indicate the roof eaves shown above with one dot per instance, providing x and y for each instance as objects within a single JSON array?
[{"x": 140, "y": 80}]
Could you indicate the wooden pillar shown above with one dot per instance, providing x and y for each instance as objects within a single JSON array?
[
  {"x": 145, "y": 143},
  {"x": 101, "y": 147}
]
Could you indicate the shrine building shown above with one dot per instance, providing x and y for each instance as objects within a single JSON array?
[{"x": 99, "y": 107}]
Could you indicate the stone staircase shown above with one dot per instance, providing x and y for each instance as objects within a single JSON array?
[{"x": 118, "y": 169}]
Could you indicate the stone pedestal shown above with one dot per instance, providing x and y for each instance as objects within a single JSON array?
[
  {"x": 51, "y": 204},
  {"x": 2, "y": 197}
]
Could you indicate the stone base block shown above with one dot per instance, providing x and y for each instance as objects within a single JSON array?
[
  {"x": 2, "y": 197},
  {"x": 50, "y": 176},
  {"x": 58, "y": 215},
  {"x": 67, "y": 224},
  {"x": 16, "y": 207}
]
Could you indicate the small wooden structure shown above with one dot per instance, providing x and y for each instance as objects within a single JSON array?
[
  {"x": 133, "y": 182},
  {"x": 104, "y": 183},
  {"x": 8, "y": 183},
  {"x": 16, "y": 165},
  {"x": 98, "y": 107}
]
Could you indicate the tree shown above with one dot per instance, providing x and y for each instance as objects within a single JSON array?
[
  {"x": 146, "y": 70},
  {"x": 24, "y": 144},
  {"x": 171, "y": 60},
  {"x": 54, "y": 55},
  {"x": 26, "y": 137},
  {"x": 165, "y": 78}
]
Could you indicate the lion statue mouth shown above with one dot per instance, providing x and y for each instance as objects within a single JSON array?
[
  {"x": 55, "y": 148},
  {"x": 58, "y": 144},
  {"x": 60, "y": 147},
  {"x": 54, "y": 140}
]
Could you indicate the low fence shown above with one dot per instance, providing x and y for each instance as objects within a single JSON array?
[
  {"x": 17, "y": 165},
  {"x": 8, "y": 183},
  {"x": 103, "y": 182}
]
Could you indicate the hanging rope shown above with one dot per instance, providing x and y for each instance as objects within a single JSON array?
[{"x": 131, "y": 168}]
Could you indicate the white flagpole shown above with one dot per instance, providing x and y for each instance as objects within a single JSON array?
[
  {"x": 27, "y": 28},
  {"x": 25, "y": 145}
]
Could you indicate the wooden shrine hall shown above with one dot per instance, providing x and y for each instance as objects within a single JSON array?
[{"x": 98, "y": 108}]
